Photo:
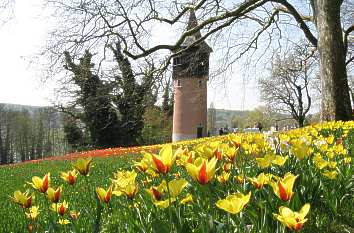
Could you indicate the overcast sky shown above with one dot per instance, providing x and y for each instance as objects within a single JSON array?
[{"x": 20, "y": 75}]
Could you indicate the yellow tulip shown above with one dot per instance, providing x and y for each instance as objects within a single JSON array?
[
  {"x": 300, "y": 148},
  {"x": 124, "y": 183},
  {"x": 163, "y": 162},
  {"x": 41, "y": 184},
  {"x": 202, "y": 170},
  {"x": 164, "y": 203},
  {"x": 54, "y": 194},
  {"x": 103, "y": 195},
  {"x": 234, "y": 203},
  {"x": 283, "y": 188},
  {"x": 319, "y": 162},
  {"x": 188, "y": 199},
  {"x": 280, "y": 160},
  {"x": 330, "y": 174},
  {"x": 69, "y": 177},
  {"x": 266, "y": 161},
  {"x": 291, "y": 219},
  {"x": 347, "y": 160},
  {"x": 32, "y": 213},
  {"x": 261, "y": 180},
  {"x": 63, "y": 221},
  {"x": 83, "y": 166},
  {"x": 175, "y": 187},
  {"x": 23, "y": 199}
]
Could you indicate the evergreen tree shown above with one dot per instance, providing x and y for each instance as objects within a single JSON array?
[
  {"x": 131, "y": 98},
  {"x": 94, "y": 97}
]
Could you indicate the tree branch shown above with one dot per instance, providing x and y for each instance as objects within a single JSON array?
[{"x": 299, "y": 20}]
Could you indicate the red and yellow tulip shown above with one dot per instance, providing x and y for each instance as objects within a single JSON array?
[
  {"x": 69, "y": 177},
  {"x": 283, "y": 188},
  {"x": 60, "y": 208},
  {"x": 261, "y": 180},
  {"x": 104, "y": 195},
  {"x": 83, "y": 166},
  {"x": 163, "y": 162},
  {"x": 41, "y": 184},
  {"x": 54, "y": 194},
  {"x": 291, "y": 219},
  {"x": 23, "y": 199},
  {"x": 202, "y": 170}
]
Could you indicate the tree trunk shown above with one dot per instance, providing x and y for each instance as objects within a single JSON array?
[{"x": 335, "y": 103}]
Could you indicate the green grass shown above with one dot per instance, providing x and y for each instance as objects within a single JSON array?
[{"x": 80, "y": 197}]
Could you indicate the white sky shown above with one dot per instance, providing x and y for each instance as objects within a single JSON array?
[{"x": 20, "y": 76}]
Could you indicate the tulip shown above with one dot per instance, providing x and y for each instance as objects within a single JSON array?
[
  {"x": 240, "y": 179},
  {"x": 261, "y": 180},
  {"x": 41, "y": 185},
  {"x": 163, "y": 162},
  {"x": 266, "y": 161},
  {"x": 63, "y": 221},
  {"x": 54, "y": 194},
  {"x": 227, "y": 167},
  {"x": 23, "y": 199},
  {"x": 60, "y": 208},
  {"x": 175, "y": 187},
  {"x": 69, "y": 177},
  {"x": 235, "y": 139},
  {"x": 83, "y": 166},
  {"x": 74, "y": 215},
  {"x": 283, "y": 188},
  {"x": 291, "y": 219},
  {"x": 188, "y": 199},
  {"x": 202, "y": 170},
  {"x": 330, "y": 174},
  {"x": 231, "y": 153},
  {"x": 234, "y": 203},
  {"x": 224, "y": 177},
  {"x": 103, "y": 195},
  {"x": 33, "y": 213},
  {"x": 124, "y": 183},
  {"x": 280, "y": 160}
]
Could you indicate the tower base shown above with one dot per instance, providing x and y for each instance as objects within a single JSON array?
[{"x": 180, "y": 137}]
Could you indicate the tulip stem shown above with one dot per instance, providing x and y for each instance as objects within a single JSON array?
[{"x": 96, "y": 226}]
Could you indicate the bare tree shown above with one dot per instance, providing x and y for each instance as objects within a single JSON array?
[
  {"x": 6, "y": 10},
  {"x": 288, "y": 88},
  {"x": 91, "y": 23}
]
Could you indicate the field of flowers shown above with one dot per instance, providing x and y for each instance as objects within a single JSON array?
[{"x": 300, "y": 180}]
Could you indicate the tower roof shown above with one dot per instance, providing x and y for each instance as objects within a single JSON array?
[{"x": 192, "y": 23}]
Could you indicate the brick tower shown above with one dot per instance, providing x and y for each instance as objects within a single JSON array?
[{"x": 190, "y": 76}]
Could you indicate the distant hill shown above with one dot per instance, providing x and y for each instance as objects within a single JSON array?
[
  {"x": 224, "y": 116},
  {"x": 34, "y": 112}
]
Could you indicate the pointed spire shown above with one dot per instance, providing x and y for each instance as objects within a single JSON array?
[{"x": 192, "y": 23}]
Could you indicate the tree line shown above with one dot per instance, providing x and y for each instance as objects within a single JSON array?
[{"x": 30, "y": 134}]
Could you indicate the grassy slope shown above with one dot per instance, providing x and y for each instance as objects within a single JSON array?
[{"x": 15, "y": 178}]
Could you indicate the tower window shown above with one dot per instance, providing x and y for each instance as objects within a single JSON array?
[
  {"x": 200, "y": 83},
  {"x": 177, "y": 61},
  {"x": 179, "y": 83}
]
